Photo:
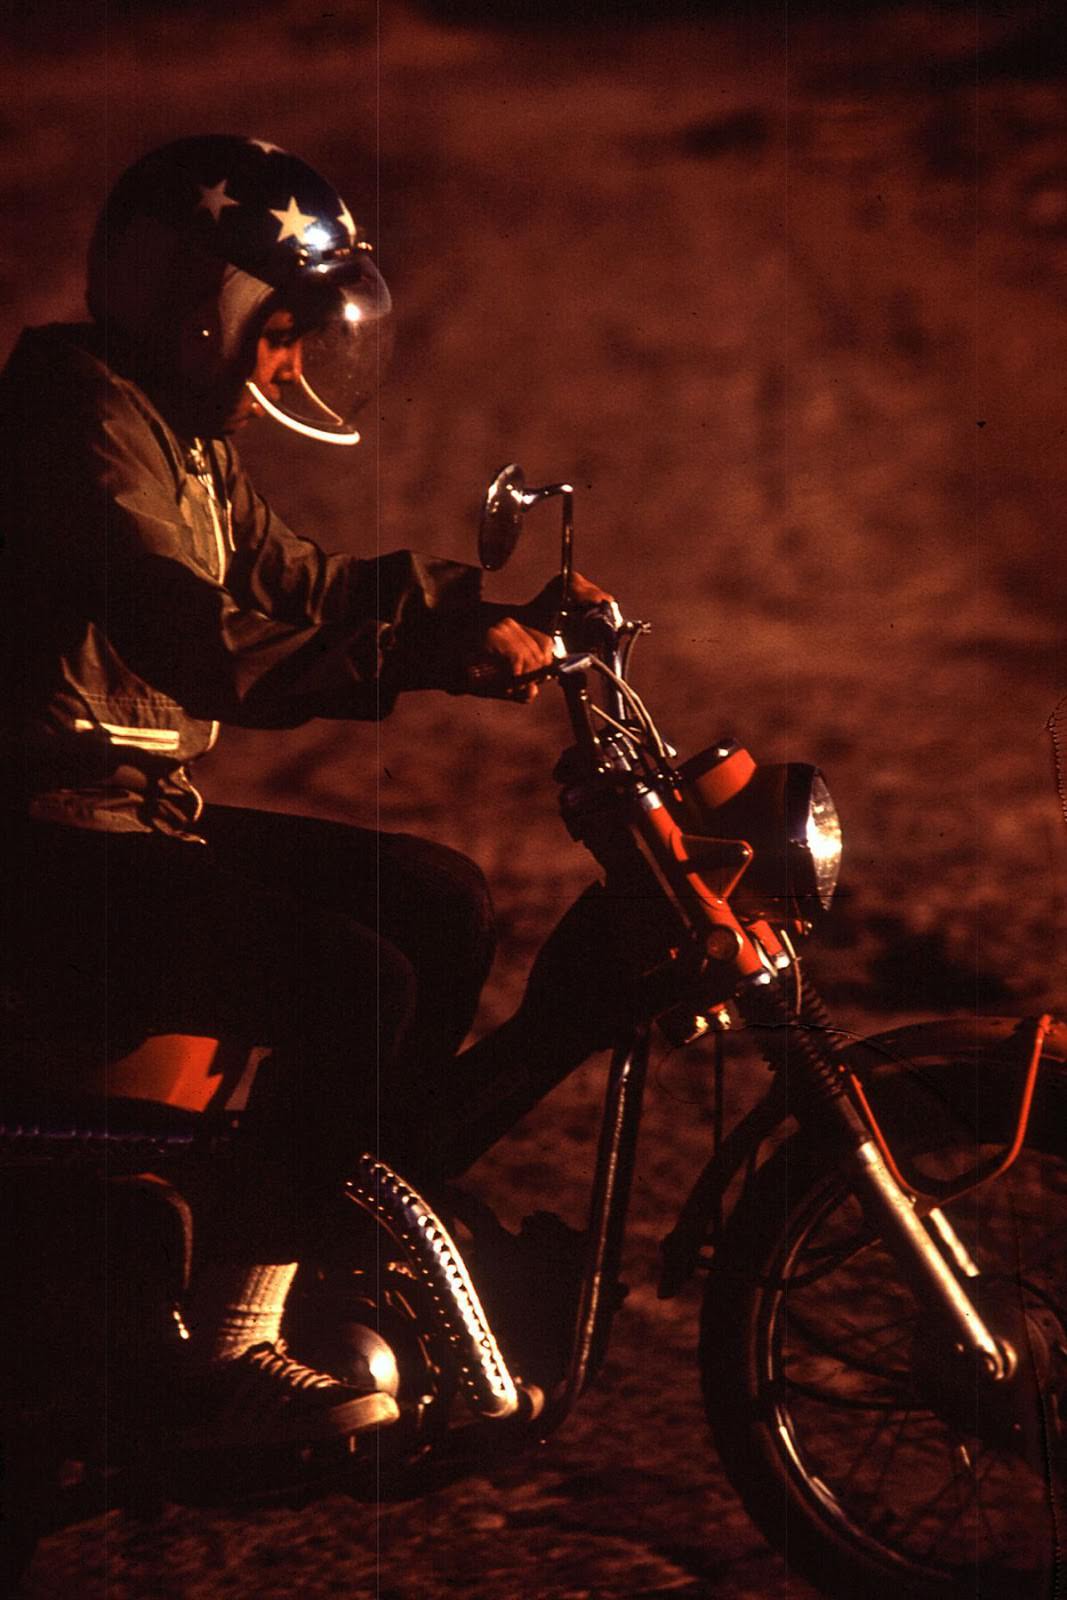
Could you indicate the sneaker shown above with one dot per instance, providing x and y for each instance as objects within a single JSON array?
[{"x": 264, "y": 1397}]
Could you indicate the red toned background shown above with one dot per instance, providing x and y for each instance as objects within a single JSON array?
[{"x": 786, "y": 303}]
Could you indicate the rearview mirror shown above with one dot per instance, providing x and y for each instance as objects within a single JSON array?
[
  {"x": 501, "y": 523},
  {"x": 506, "y": 501}
]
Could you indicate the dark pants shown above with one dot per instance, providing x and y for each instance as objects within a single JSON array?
[{"x": 357, "y": 957}]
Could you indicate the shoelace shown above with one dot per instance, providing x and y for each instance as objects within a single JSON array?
[{"x": 275, "y": 1362}]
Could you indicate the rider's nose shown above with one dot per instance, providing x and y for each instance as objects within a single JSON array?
[{"x": 291, "y": 365}]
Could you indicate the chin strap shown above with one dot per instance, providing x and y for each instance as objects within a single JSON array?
[{"x": 325, "y": 435}]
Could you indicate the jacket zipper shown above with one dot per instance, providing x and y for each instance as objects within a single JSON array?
[
  {"x": 221, "y": 517},
  {"x": 220, "y": 512}
]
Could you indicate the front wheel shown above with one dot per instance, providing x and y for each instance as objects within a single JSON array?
[{"x": 863, "y": 1448}]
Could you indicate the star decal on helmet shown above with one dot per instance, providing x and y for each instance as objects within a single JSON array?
[
  {"x": 347, "y": 221},
  {"x": 292, "y": 222},
  {"x": 215, "y": 199},
  {"x": 267, "y": 148}
]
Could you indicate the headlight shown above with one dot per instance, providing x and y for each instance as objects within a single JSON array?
[
  {"x": 786, "y": 814},
  {"x": 822, "y": 837},
  {"x": 794, "y": 829}
]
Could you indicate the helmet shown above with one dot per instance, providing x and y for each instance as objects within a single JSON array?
[{"x": 224, "y": 231}]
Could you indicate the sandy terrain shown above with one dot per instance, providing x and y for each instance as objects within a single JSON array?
[{"x": 786, "y": 305}]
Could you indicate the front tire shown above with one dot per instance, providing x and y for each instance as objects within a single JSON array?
[{"x": 874, "y": 1464}]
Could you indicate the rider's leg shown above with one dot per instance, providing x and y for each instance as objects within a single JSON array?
[
  {"x": 428, "y": 901},
  {"x": 126, "y": 934},
  {"x": 151, "y": 934},
  {"x": 434, "y": 904},
  {"x": 582, "y": 993},
  {"x": 425, "y": 901}
]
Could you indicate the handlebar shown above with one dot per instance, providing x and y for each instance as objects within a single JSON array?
[
  {"x": 488, "y": 677},
  {"x": 591, "y": 631}
]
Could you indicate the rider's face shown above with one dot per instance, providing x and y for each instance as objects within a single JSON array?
[{"x": 278, "y": 361}]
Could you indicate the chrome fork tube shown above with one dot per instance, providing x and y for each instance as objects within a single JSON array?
[
  {"x": 954, "y": 1246},
  {"x": 929, "y": 1274},
  {"x": 795, "y": 1046}
]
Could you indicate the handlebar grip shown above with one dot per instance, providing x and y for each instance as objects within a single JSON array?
[{"x": 489, "y": 677}]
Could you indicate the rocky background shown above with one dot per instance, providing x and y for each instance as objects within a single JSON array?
[{"x": 780, "y": 290}]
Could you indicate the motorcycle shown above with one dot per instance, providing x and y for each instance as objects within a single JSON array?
[{"x": 883, "y": 1339}]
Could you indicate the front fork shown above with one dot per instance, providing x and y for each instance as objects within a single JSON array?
[{"x": 796, "y": 1045}]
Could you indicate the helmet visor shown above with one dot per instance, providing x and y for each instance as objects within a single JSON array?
[{"x": 331, "y": 353}]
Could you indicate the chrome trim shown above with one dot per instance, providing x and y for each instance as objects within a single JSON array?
[
  {"x": 487, "y": 1385},
  {"x": 952, "y": 1243},
  {"x": 931, "y": 1277},
  {"x": 323, "y": 435}
]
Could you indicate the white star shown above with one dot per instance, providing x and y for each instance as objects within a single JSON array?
[
  {"x": 267, "y": 148},
  {"x": 347, "y": 222},
  {"x": 292, "y": 222},
  {"x": 216, "y": 200}
]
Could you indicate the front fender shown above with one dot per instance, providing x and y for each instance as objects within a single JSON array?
[
  {"x": 891, "y": 1066},
  {"x": 982, "y": 1039}
]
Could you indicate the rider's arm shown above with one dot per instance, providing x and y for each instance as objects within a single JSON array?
[
  {"x": 431, "y": 605},
  {"x": 441, "y": 625},
  {"x": 382, "y": 626}
]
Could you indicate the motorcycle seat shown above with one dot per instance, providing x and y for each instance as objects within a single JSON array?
[{"x": 93, "y": 1130}]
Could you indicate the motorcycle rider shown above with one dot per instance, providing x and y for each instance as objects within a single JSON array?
[{"x": 157, "y": 596}]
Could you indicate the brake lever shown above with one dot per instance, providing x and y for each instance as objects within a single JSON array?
[
  {"x": 560, "y": 668},
  {"x": 484, "y": 677}
]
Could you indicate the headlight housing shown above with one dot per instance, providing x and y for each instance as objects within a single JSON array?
[{"x": 785, "y": 812}]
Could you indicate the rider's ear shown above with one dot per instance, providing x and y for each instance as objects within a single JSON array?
[{"x": 199, "y": 347}]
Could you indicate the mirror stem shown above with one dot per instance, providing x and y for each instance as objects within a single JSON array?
[{"x": 566, "y": 560}]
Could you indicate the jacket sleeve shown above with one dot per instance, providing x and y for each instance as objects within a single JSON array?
[
  {"x": 430, "y": 608},
  {"x": 291, "y": 633}
]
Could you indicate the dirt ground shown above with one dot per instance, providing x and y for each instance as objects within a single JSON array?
[{"x": 783, "y": 298}]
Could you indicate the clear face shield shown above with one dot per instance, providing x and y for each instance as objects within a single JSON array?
[{"x": 318, "y": 363}]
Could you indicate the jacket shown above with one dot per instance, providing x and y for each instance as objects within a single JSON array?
[{"x": 152, "y": 594}]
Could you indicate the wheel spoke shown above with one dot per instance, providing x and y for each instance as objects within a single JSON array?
[
  {"x": 842, "y": 1402},
  {"x": 831, "y": 1258},
  {"x": 906, "y": 1524},
  {"x": 1051, "y": 1248},
  {"x": 969, "y": 1502},
  {"x": 835, "y": 1345},
  {"x": 870, "y": 1441},
  {"x": 880, "y": 1481},
  {"x": 887, "y": 1450},
  {"x": 979, "y": 1506}
]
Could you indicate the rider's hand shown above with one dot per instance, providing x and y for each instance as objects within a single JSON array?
[
  {"x": 584, "y": 593},
  {"x": 519, "y": 640},
  {"x": 508, "y": 651},
  {"x": 543, "y": 611}
]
